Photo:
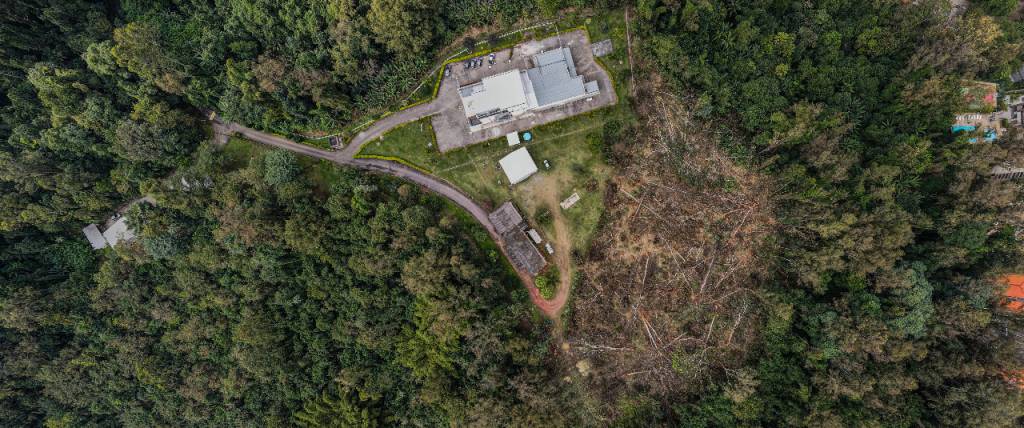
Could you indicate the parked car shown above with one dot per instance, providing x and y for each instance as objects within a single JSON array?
[{"x": 447, "y": 71}]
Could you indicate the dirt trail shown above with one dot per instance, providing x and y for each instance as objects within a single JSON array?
[
  {"x": 429, "y": 182},
  {"x": 562, "y": 242}
]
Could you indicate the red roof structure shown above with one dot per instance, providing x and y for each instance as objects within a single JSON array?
[
  {"x": 1013, "y": 299},
  {"x": 1014, "y": 294}
]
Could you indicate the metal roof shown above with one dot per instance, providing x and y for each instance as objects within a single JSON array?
[
  {"x": 554, "y": 77},
  {"x": 518, "y": 165},
  {"x": 512, "y": 138},
  {"x": 92, "y": 233},
  {"x": 502, "y": 91},
  {"x": 505, "y": 218},
  {"x": 522, "y": 253},
  {"x": 119, "y": 231}
]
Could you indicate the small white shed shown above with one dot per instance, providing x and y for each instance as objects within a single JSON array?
[{"x": 513, "y": 138}]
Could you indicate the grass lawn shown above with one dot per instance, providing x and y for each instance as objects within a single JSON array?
[
  {"x": 412, "y": 144},
  {"x": 577, "y": 164},
  {"x": 612, "y": 26}
]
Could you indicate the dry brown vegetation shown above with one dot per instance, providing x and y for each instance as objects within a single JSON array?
[{"x": 668, "y": 297}]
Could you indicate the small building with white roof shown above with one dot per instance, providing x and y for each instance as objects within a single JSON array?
[
  {"x": 512, "y": 138},
  {"x": 118, "y": 232},
  {"x": 518, "y": 165},
  {"x": 92, "y": 233}
]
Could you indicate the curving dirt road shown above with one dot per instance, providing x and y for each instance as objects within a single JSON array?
[{"x": 548, "y": 308}]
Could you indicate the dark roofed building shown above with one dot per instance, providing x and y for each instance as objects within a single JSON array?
[
  {"x": 521, "y": 252},
  {"x": 506, "y": 218}
]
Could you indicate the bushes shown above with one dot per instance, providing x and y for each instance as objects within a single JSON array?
[{"x": 547, "y": 282}]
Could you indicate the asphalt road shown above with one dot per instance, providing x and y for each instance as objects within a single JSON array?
[
  {"x": 384, "y": 125},
  {"x": 346, "y": 158}
]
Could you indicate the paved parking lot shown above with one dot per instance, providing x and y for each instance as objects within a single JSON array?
[{"x": 452, "y": 126}]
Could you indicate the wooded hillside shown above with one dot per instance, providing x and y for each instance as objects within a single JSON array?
[{"x": 794, "y": 236}]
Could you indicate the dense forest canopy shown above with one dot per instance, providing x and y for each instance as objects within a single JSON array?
[
  {"x": 256, "y": 299},
  {"x": 266, "y": 290},
  {"x": 894, "y": 232},
  {"x": 253, "y": 295}
]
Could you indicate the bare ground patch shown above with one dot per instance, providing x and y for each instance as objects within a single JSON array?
[{"x": 669, "y": 294}]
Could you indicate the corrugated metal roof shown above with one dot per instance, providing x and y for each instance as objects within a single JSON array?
[
  {"x": 505, "y": 218},
  {"x": 553, "y": 56},
  {"x": 554, "y": 77}
]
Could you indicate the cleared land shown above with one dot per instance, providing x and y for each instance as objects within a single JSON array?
[
  {"x": 572, "y": 146},
  {"x": 666, "y": 294},
  {"x": 979, "y": 97}
]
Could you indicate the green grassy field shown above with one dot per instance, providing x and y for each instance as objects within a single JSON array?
[
  {"x": 572, "y": 147},
  {"x": 576, "y": 166}
]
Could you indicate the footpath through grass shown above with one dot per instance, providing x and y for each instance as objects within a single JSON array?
[{"x": 574, "y": 148}]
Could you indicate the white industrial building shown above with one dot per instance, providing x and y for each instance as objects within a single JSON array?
[
  {"x": 551, "y": 82},
  {"x": 518, "y": 165}
]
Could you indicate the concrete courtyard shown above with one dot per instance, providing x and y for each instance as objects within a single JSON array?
[{"x": 451, "y": 124}]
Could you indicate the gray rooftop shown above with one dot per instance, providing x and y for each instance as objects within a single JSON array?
[
  {"x": 92, "y": 233},
  {"x": 602, "y": 48},
  {"x": 505, "y": 218},
  {"x": 554, "y": 77},
  {"x": 523, "y": 254}
]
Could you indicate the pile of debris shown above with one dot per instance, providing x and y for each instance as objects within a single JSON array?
[{"x": 668, "y": 294}]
